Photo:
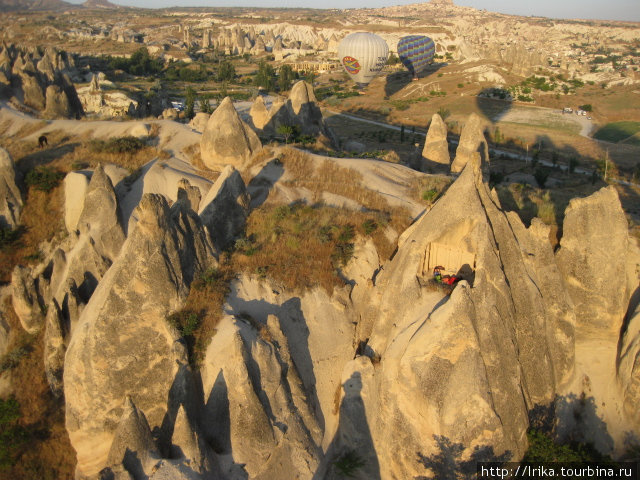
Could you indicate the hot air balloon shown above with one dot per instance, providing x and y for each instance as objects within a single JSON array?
[
  {"x": 363, "y": 55},
  {"x": 416, "y": 52}
]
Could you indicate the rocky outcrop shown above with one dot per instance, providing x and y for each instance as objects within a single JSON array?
[
  {"x": 227, "y": 140},
  {"x": 26, "y": 298},
  {"x": 57, "y": 103},
  {"x": 149, "y": 279},
  {"x": 436, "y": 148},
  {"x": 268, "y": 434},
  {"x": 225, "y": 208},
  {"x": 133, "y": 447},
  {"x": 10, "y": 197},
  {"x": 199, "y": 122},
  {"x": 39, "y": 79},
  {"x": 75, "y": 188},
  {"x": 299, "y": 110},
  {"x": 259, "y": 113},
  {"x": 100, "y": 217},
  {"x": 472, "y": 145}
]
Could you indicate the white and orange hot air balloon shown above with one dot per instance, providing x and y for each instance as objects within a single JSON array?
[{"x": 363, "y": 56}]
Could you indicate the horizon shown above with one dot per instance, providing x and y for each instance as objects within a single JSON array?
[{"x": 616, "y": 10}]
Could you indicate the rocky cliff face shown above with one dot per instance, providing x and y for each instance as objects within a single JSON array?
[
  {"x": 105, "y": 360},
  {"x": 390, "y": 369},
  {"x": 39, "y": 79}
]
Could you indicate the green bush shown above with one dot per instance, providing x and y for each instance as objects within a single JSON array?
[
  {"x": 185, "y": 322},
  {"x": 8, "y": 236},
  {"x": 211, "y": 277},
  {"x": 126, "y": 144},
  {"x": 369, "y": 226},
  {"x": 12, "y": 435},
  {"x": 349, "y": 463},
  {"x": 44, "y": 178},
  {"x": 430, "y": 195}
]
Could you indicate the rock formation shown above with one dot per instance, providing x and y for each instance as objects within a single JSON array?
[
  {"x": 227, "y": 140},
  {"x": 259, "y": 113},
  {"x": 436, "y": 147},
  {"x": 40, "y": 81},
  {"x": 149, "y": 280},
  {"x": 225, "y": 208},
  {"x": 299, "y": 110},
  {"x": 472, "y": 144},
  {"x": 10, "y": 197}
]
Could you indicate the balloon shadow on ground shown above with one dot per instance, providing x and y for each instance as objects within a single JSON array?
[
  {"x": 493, "y": 103},
  {"x": 396, "y": 81}
]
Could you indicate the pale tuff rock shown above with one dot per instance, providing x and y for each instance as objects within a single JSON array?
[
  {"x": 133, "y": 446},
  {"x": 189, "y": 195},
  {"x": 600, "y": 279},
  {"x": 26, "y": 299},
  {"x": 472, "y": 144},
  {"x": 188, "y": 444},
  {"x": 75, "y": 187},
  {"x": 227, "y": 140},
  {"x": 10, "y": 198},
  {"x": 436, "y": 148},
  {"x": 199, "y": 122},
  {"x": 259, "y": 113},
  {"x": 225, "y": 208},
  {"x": 148, "y": 280},
  {"x": 57, "y": 103},
  {"x": 319, "y": 329},
  {"x": 600, "y": 264},
  {"x": 504, "y": 311},
  {"x": 100, "y": 217},
  {"x": 54, "y": 348},
  {"x": 541, "y": 267},
  {"x": 300, "y": 110},
  {"x": 629, "y": 367},
  {"x": 33, "y": 94},
  {"x": 267, "y": 434}
]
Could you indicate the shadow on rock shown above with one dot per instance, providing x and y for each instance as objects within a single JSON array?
[
  {"x": 352, "y": 452},
  {"x": 447, "y": 462}
]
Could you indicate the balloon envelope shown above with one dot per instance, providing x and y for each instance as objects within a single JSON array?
[
  {"x": 363, "y": 56},
  {"x": 416, "y": 52}
]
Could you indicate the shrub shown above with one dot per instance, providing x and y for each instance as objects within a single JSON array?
[
  {"x": 349, "y": 463},
  {"x": 126, "y": 144},
  {"x": 369, "y": 226},
  {"x": 8, "y": 236},
  {"x": 12, "y": 435},
  {"x": 44, "y": 178},
  {"x": 430, "y": 195}
]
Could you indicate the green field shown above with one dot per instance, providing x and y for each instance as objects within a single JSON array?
[{"x": 617, "y": 131}]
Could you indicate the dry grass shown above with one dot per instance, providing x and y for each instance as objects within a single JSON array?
[
  {"x": 301, "y": 246},
  {"x": 429, "y": 188},
  {"x": 47, "y": 453},
  {"x": 203, "y": 308}
]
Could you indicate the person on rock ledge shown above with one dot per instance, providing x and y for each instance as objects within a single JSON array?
[{"x": 447, "y": 279}]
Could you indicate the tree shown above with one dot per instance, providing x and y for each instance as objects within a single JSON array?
[
  {"x": 392, "y": 60},
  {"x": 190, "y": 103},
  {"x": 205, "y": 106},
  {"x": 286, "y": 77},
  {"x": 266, "y": 76},
  {"x": 586, "y": 107},
  {"x": 226, "y": 71},
  {"x": 286, "y": 131}
]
